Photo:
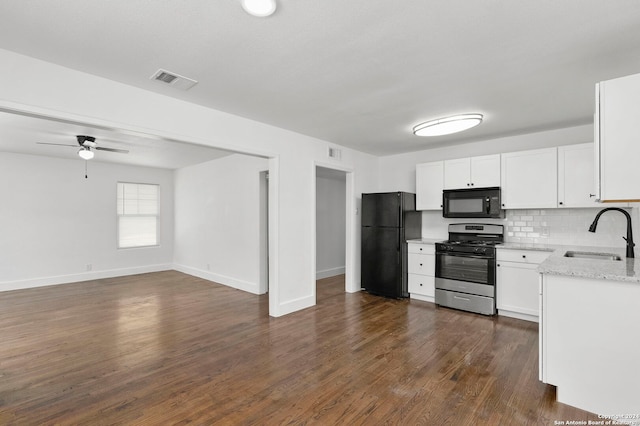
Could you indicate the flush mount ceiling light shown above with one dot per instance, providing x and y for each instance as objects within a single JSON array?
[
  {"x": 260, "y": 8},
  {"x": 85, "y": 153},
  {"x": 448, "y": 125}
]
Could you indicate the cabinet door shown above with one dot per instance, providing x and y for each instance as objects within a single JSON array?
[
  {"x": 485, "y": 171},
  {"x": 575, "y": 176},
  {"x": 422, "y": 264},
  {"x": 530, "y": 179},
  {"x": 429, "y": 185},
  {"x": 517, "y": 288},
  {"x": 457, "y": 173},
  {"x": 617, "y": 134},
  {"x": 421, "y": 284}
]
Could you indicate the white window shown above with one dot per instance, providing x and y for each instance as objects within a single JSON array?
[{"x": 138, "y": 214}]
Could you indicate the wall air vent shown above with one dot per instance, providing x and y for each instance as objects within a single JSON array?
[
  {"x": 176, "y": 80},
  {"x": 335, "y": 153}
]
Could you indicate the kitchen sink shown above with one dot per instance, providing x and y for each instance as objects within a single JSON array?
[{"x": 592, "y": 255}]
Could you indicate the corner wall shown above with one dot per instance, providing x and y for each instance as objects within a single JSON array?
[
  {"x": 59, "y": 227},
  {"x": 217, "y": 221}
]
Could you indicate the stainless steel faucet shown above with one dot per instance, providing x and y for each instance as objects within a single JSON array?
[{"x": 628, "y": 239}]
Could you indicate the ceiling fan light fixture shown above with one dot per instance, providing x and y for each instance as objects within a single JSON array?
[
  {"x": 447, "y": 125},
  {"x": 85, "y": 153},
  {"x": 259, "y": 8}
]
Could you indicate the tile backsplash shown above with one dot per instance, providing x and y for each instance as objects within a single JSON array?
[{"x": 548, "y": 226}]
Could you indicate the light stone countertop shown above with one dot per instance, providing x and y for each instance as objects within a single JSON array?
[
  {"x": 601, "y": 269},
  {"x": 426, "y": 240},
  {"x": 556, "y": 264}
]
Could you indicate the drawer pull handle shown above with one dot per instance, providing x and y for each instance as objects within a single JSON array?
[
  {"x": 524, "y": 256},
  {"x": 420, "y": 284},
  {"x": 421, "y": 264},
  {"x": 461, "y": 298}
]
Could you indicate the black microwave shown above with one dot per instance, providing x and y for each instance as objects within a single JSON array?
[{"x": 471, "y": 203}]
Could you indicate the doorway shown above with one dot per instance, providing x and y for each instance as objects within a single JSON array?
[
  {"x": 332, "y": 229},
  {"x": 263, "y": 284}
]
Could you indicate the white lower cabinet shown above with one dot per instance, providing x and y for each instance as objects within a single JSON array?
[
  {"x": 517, "y": 283},
  {"x": 421, "y": 271}
]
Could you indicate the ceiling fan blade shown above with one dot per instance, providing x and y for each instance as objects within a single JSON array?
[
  {"x": 123, "y": 151},
  {"x": 58, "y": 144}
]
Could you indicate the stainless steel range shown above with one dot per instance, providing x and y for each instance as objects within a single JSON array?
[{"x": 466, "y": 267}]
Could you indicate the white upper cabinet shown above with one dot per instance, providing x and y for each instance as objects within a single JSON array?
[
  {"x": 472, "y": 172},
  {"x": 617, "y": 136},
  {"x": 576, "y": 176},
  {"x": 530, "y": 179},
  {"x": 429, "y": 185}
]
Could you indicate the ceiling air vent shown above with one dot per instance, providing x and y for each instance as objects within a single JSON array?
[{"x": 176, "y": 80}]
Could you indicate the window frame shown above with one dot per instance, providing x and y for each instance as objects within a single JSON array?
[{"x": 157, "y": 216}]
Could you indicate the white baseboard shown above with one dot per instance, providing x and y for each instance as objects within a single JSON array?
[
  {"x": 423, "y": 298},
  {"x": 294, "y": 306},
  {"x": 332, "y": 272},
  {"x": 247, "y": 286},
  {"x": 84, "y": 276},
  {"x": 518, "y": 315}
]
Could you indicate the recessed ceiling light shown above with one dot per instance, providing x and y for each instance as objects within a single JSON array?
[
  {"x": 260, "y": 8},
  {"x": 447, "y": 125}
]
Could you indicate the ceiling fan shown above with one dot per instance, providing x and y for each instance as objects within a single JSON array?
[{"x": 87, "y": 144}]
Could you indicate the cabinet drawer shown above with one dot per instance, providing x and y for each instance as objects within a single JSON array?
[
  {"x": 422, "y": 264},
  {"x": 522, "y": 256},
  {"x": 421, "y": 284},
  {"x": 421, "y": 248}
]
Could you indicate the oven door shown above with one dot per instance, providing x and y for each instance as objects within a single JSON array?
[{"x": 466, "y": 267}]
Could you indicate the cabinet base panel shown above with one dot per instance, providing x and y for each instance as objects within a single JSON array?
[
  {"x": 422, "y": 298},
  {"x": 518, "y": 315}
]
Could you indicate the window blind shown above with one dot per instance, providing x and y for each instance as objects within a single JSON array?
[{"x": 138, "y": 211}]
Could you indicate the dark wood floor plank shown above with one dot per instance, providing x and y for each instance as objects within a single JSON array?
[{"x": 167, "y": 348}]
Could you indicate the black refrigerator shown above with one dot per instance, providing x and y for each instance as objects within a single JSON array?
[{"x": 389, "y": 219}]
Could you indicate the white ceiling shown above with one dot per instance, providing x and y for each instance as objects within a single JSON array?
[
  {"x": 23, "y": 134},
  {"x": 360, "y": 73}
]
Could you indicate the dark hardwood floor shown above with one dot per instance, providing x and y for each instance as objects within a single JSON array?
[{"x": 168, "y": 348}]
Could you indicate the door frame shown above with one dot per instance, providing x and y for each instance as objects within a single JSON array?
[{"x": 350, "y": 228}]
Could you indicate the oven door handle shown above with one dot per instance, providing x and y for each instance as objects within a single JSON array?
[{"x": 472, "y": 256}]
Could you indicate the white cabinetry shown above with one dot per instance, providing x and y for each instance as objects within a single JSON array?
[
  {"x": 421, "y": 271},
  {"x": 472, "y": 172},
  {"x": 517, "y": 282},
  {"x": 589, "y": 342},
  {"x": 429, "y": 185},
  {"x": 575, "y": 176},
  {"x": 530, "y": 179},
  {"x": 617, "y": 133},
  {"x": 576, "y": 184}
]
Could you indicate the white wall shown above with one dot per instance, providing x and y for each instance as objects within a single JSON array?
[
  {"x": 45, "y": 89},
  {"x": 330, "y": 226},
  {"x": 217, "y": 220},
  {"x": 56, "y": 222}
]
